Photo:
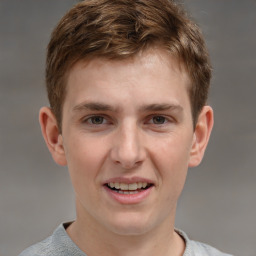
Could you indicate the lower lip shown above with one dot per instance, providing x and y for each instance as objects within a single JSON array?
[{"x": 129, "y": 198}]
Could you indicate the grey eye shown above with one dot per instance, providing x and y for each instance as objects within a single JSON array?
[
  {"x": 159, "y": 120},
  {"x": 97, "y": 120}
]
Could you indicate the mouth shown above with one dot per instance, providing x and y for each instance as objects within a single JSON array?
[{"x": 131, "y": 188}]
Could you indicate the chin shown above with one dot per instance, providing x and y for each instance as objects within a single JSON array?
[{"x": 130, "y": 225}]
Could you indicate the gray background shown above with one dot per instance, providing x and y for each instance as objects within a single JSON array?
[{"x": 218, "y": 205}]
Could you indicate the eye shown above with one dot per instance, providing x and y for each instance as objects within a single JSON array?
[
  {"x": 158, "y": 120},
  {"x": 96, "y": 120}
]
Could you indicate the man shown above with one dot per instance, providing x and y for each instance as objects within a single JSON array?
[{"x": 127, "y": 82}]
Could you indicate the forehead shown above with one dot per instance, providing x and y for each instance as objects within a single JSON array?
[{"x": 153, "y": 73}]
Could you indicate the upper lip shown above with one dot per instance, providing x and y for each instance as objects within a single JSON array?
[{"x": 128, "y": 180}]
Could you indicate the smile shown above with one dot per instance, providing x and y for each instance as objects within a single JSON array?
[{"x": 132, "y": 188}]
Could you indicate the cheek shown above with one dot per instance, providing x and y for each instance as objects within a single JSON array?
[
  {"x": 85, "y": 157},
  {"x": 171, "y": 157},
  {"x": 172, "y": 151}
]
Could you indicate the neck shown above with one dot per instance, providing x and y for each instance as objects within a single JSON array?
[{"x": 93, "y": 239}]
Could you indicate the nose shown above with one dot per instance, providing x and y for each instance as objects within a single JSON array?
[{"x": 128, "y": 150}]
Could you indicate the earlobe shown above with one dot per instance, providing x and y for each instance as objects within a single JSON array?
[
  {"x": 52, "y": 137},
  {"x": 201, "y": 136}
]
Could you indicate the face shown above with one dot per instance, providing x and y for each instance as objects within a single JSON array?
[{"x": 127, "y": 135}]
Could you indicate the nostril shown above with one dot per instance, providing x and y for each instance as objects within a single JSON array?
[{"x": 131, "y": 165}]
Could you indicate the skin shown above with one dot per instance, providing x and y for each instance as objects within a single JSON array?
[{"x": 127, "y": 119}]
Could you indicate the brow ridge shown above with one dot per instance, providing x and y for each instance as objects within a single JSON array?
[
  {"x": 97, "y": 106},
  {"x": 94, "y": 106},
  {"x": 161, "y": 107}
]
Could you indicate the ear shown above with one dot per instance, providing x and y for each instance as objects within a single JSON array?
[
  {"x": 52, "y": 137},
  {"x": 201, "y": 136}
]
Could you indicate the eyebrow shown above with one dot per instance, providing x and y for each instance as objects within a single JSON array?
[
  {"x": 97, "y": 106},
  {"x": 161, "y": 107},
  {"x": 94, "y": 106}
]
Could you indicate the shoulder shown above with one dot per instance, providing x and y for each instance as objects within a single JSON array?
[
  {"x": 43, "y": 248},
  {"x": 194, "y": 248},
  {"x": 202, "y": 249},
  {"x": 58, "y": 244}
]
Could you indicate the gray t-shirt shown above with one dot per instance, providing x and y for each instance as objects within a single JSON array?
[{"x": 60, "y": 244}]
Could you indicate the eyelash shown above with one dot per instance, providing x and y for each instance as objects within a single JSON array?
[
  {"x": 90, "y": 122},
  {"x": 162, "y": 118},
  {"x": 149, "y": 120}
]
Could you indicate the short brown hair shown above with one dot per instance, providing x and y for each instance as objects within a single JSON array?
[{"x": 117, "y": 29}]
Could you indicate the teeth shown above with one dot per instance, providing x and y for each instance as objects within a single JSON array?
[
  {"x": 133, "y": 186},
  {"x": 117, "y": 185},
  {"x": 125, "y": 186},
  {"x": 144, "y": 184}
]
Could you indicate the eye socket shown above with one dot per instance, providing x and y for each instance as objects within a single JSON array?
[
  {"x": 158, "y": 120},
  {"x": 96, "y": 120}
]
